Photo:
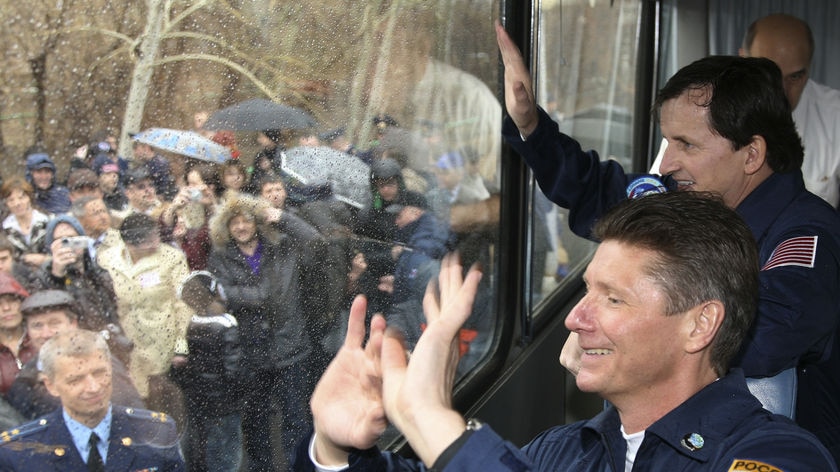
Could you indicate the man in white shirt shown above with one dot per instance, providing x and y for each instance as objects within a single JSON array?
[{"x": 788, "y": 41}]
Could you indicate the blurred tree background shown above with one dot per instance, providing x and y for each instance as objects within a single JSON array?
[{"x": 69, "y": 64}]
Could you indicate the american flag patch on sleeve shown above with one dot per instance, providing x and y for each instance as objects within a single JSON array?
[{"x": 800, "y": 251}]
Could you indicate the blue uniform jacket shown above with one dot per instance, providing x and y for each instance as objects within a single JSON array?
[
  {"x": 720, "y": 428},
  {"x": 799, "y": 303},
  {"x": 140, "y": 440}
]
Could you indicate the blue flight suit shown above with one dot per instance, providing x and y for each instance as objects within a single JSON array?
[
  {"x": 799, "y": 303},
  {"x": 140, "y": 440},
  {"x": 721, "y": 428}
]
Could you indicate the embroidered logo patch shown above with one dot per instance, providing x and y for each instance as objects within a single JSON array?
[
  {"x": 743, "y": 465},
  {"x": 800, "y": 251},
  {"x": 644, "y": 186}
]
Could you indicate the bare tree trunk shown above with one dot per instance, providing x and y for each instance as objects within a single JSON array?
[
  {"x": 38, "y": 66},
  {"x": 146, "y": 53}
]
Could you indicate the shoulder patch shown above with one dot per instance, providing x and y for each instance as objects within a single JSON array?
[
  {"x": 23, "y": 430},
  {"x": 747, "y": 465},
  {"x": 644, "y": 186},
  {"x": 800, "y": 251}
]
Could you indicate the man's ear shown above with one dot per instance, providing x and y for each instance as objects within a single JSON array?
[
  {"x": 756, "y": 155},
  {"x": 705, "y": 321},
  {"x": 48, "y": 384}
]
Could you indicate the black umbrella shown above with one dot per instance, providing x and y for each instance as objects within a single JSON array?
[{"x": 259, "y": 114}]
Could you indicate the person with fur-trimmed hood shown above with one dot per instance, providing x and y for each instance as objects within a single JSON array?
[{"x": 267, "y": 277}]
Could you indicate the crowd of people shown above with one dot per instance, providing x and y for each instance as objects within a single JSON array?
[{"x": 221, "y": 289}]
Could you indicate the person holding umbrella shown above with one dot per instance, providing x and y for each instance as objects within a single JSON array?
[
  {"x": 158, "y": 168},
  {"x": 266, "y": 161}
]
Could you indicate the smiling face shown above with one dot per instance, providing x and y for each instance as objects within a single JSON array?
[
  {"x": 696, "y": 157},
  {"x": 42, "y": 178},
  {"x": 18, "y": 202},
  {"x": 630, "y": 347},
  {"x": 243, "y": 229},
  {"x": 83, "y": 383}
]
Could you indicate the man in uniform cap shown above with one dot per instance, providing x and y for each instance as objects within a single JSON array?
[{"x": 88, "y": 432}]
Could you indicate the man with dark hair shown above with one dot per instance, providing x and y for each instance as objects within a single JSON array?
[
  {"x": 83, "y": 183},
  {"x": 88, "y": 432},
  {"x": 140, "y": 192},
  {"x": 95, "y": 218},
  {"x": 113, "y": 193},
  {"x": 788, "y": 41},
  {"x": 665, "y": 312},
  {"x": 146, "y": 276},
  {"x": 730, "y": 132},
  {"x": 158, "y": 168}
]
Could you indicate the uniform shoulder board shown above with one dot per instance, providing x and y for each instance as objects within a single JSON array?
[
  {"x": 23, "y": 430},
  {"x": 148, "y": 415}
]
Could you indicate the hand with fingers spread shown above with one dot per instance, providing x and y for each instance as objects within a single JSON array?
[
  {"x": 418, "y": 394},
  {"x": 347, "y": 403},
  {"x": 519, "y": 89}
]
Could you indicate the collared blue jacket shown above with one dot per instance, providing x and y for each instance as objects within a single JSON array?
[
  {"x": 720, "y": 428},
  {"x": 799, "y": 303},
  {"x": 140, "y": 440}
]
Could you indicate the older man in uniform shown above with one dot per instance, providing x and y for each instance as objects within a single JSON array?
[{"x": 88, "y": 432}]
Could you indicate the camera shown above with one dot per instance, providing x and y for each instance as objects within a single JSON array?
[
  {"x": 75, "y": 242},
  {"x": 195, "y": 194}
]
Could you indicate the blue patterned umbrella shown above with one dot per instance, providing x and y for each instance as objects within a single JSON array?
[{"x": 185, "y": 143}]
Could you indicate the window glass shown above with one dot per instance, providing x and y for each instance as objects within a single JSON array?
[
  {"x": 586, "y": 56},
  {"x": 299, "y": 152}
]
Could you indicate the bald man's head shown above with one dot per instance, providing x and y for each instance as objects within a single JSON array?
[{"x": 787, "y": 41}]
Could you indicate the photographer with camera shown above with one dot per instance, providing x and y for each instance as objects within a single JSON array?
[{"x": 71, "y": 268}]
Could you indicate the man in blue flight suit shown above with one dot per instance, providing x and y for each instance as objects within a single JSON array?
[
  {"x": 666, "y": 310},
  {"x": 730, "y": 132},
  {"x": 88, "y": 432}
]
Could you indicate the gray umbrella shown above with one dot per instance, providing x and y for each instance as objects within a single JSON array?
[
  {"x": 259, "y": 114},
  {"x": 348, "y": 175}
]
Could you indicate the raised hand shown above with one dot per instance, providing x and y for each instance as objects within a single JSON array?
[
  {"x": 519, "y": 89},
  {"x": 347, "y": 402},
  {"x": 418, "y": 393}
]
